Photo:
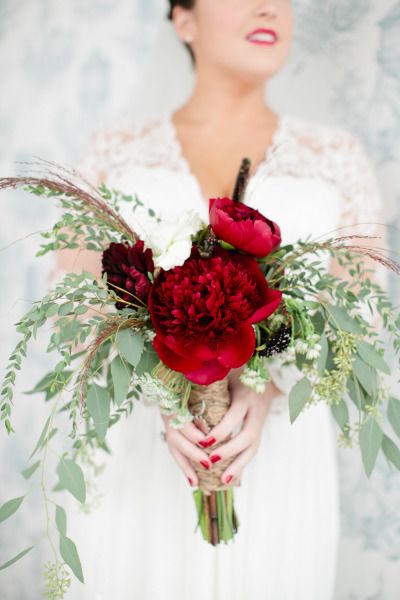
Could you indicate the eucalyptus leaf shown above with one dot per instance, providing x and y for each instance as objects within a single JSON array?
[
  {"x": 61, "y": 520},
  {"x": 69, "y": 553},
  {"x": 393, "y": 413},
  {"x": 121, "y": 373},
  {"x": 370, "y": 438},
  {"x": 42, "y": 438},
  {"x": 15, "y": 558},
  {"x": 298, "y": 396},
  {"x": 340, "y": 413},
  {"x": 10, "y": 507},
  {"x": 356, "y": 392},
  {"x": 29, "y": 471},
  {"x": 340, "y": 318},
  {"x": 130, "y": 345},
  {"x": 65, "y": 308},
  {"x": 321, "y": 362},
  {"x": 71, "y": 478},
  {"x": 372, "y": 357},
  {"x": 98, "y": 405},
  {"x": 148, "y": 361},
  {"x": 391, "y": 451},
  {"x": 366, "y": 375}
]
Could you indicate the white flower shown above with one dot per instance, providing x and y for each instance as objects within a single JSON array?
[
  {"x": 313, "y": 353},
  {"x": 171, "y": 238},
  {"x": 301, "y": 346}
]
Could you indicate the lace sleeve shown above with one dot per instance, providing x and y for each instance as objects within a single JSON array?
[
  {"x": 363, "y": 206},
  {"x": 101, "y": 152}
]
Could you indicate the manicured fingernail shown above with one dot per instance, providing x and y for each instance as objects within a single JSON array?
[
  {"x": 205, "y": 464},
  {"x": 190, "y": 481},
  {"x": 203, "y": 443},
  {"x": 210, "y": 442},
  {"x": 215, "y": 458},
  {"x": 228, "y": 479}
]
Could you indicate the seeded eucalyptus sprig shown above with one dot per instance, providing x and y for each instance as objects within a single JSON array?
[{"x": 335, "y": 347}]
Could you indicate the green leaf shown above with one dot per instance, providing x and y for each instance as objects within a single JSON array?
[
  {"x": 370, "y": 437},
  {"x": 70, "y": 554},
  {"x": 393, "y": 413},
  {"x": 29, "y": 471},
  {"x": 61, "y": 520},
  {"x": 51, "y": 384},
  {"x": 121, "y": 373},
  {"x": 98, "y": 404},
  {"x": 15, "y": 558},
  {"x": 42, "y": 437},
  {"x": 51, "y": 310},
  {"x": 321, "y": 363},
  {"x": 148, "y": 361},
  {"x": 366, "y": 375},
  {"x": 71, "y": 478},
  {"x": 340, "y": 413},
  {"x": 391, "y": 451},
  {"x": 10, "y": 507},
  {"x": 130, "y": 345},
  {"x": 372, "y": 357},
  {"x": 298, "y": 396},
  {"x": 65, "y": 308},
  {"x": 340, "y": 318},
  {"x": 356, "y": 392}
]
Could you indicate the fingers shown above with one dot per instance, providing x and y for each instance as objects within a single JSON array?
[
  {"x": 237, "y": 444},
  {"x": 185, "y": 465},
  {"x": 229, "y": 422},
  {"x": 175, "y": 439},
  {"x": 192, "y": 433},
  {"x": 189, "y": 430},
  {"x": 234, "y": 471}
]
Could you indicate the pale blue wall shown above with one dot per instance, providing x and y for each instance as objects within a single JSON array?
[{"x": 68, "y": 67}]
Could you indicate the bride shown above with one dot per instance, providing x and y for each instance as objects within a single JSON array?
[{"x": 140, "y": 542}]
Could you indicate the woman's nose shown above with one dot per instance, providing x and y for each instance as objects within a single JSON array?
[{"x": 266, "y": 8}]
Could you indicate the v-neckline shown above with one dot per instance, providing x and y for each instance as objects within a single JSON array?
[{"x": 186, "y": 167}]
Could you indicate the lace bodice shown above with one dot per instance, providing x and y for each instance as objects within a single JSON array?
[{"x": 300, "y": 149}]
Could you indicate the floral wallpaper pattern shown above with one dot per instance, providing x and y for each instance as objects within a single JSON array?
[{"x": 70, "y": 67}]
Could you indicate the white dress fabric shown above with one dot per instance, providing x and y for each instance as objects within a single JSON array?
[{"x": 140, "y": 542}]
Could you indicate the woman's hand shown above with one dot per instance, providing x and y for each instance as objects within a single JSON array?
[
  {"x": 182, "y": 445},
  {"x": 252, "y": 409},
  {"x": 246, "y": 405}
]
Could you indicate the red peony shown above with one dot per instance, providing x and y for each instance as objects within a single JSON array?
[
  {"x": 203, "y": 311},
  {"x": 127, "y": 267},
  {"x": 243, "y": 227}
]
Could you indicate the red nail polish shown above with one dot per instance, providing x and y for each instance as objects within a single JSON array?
[
  {"x": 210, "y": 442},
  {"x": 215, "y": 458},
  {"x": 190, "y": 481},
  {"x": 203, "y": 443},
  {"x": 205, "y": 464},
  {"x": 229, "y": 478}
]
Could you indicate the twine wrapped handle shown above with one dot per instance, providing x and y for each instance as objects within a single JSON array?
[{"x": 215, "y": 400}]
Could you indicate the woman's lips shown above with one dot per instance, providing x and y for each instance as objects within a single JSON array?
[{"x": 265, "y": 37}]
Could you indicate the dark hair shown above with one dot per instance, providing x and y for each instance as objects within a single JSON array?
[{"x": 185, "y": 4}]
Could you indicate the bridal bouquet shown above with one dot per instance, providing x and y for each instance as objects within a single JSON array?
[{"x": 179, "y": 305}]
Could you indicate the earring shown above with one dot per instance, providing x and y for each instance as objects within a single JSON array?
[{"x": 188, "y": 39}]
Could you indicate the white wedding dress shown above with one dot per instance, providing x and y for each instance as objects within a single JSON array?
[{"x": 140, "y": 542}]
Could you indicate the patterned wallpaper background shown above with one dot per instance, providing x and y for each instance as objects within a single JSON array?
[{"x": 70, "y": 67}]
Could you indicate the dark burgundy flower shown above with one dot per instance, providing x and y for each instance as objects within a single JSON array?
[
  {"x": 203, "y": 311},
  {"x": 127, "y": 267},
  {"x": 243, "y": 227}
]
